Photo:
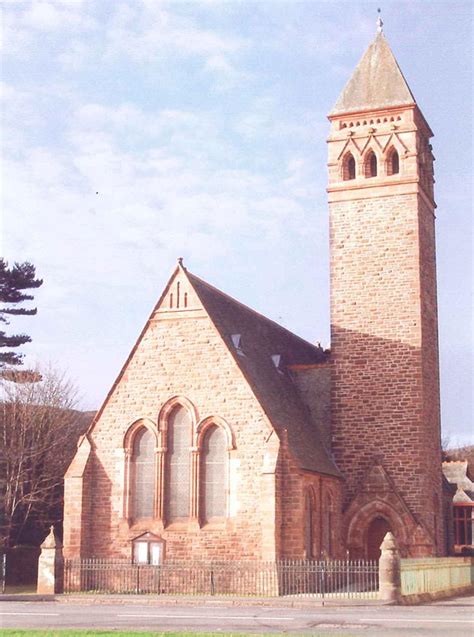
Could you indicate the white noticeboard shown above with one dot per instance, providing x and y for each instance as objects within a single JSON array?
[
  {"x": 155, "y": 553},
  {"x": 141, "y": 552}
]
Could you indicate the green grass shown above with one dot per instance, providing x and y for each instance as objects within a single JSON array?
[
  {"x": 66, "y": 632},
  {"x": 13, "y": 632}
]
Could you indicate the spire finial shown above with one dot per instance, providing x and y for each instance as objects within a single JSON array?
[{"x": 379, "y": 21}]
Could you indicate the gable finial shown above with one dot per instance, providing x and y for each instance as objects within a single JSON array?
[
  {"x": 379, "y": 21},
  {"x": 180, "y": 261}
]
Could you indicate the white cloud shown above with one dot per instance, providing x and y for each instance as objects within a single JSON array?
[
  {"x": 227, "y": 75},
  {"x": 14, "y": 39},
  {"x": 143, "y": 32},
  {"x": 52, "y": 16},
  {"x": 76, "y": 55},
  {"x": 27, "y": 25},
  {"x": 82, "y": 206}
]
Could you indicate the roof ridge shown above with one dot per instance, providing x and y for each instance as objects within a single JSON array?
[{"x": 251, "y": 310}]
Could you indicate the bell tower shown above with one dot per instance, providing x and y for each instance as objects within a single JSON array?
[{"x": 384, "y": 343}]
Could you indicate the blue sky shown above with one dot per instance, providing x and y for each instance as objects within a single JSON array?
[{"x": 136, "y": 132}]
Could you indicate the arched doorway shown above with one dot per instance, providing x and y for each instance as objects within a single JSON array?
[{"x": 375, "y": 535}]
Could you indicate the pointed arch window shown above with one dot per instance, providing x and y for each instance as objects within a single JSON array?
[
  {"x": 349, "y": 167},
  {"x": 393, "y": 165},
  {"x": 143, "y": 474},
  {"x": 178, "y": 466},
  {"x": 371, "y": 165},
  {"x": 327, "y": 525},
  {"x": 309, "y": 513},
  {"x": 213, "y": 475}
]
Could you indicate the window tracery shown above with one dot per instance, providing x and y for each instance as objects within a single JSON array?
[
  {"x": 177, "y": 479},
  {"x": 143, "y": 474},
  {"x": 213, "y": 474}
]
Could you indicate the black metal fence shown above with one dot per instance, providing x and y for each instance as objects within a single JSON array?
[
  {"x": 3, "y": 571},
  {"x": 325, "y": 579}
]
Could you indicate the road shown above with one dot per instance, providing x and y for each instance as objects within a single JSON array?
[{"x": 453, "y": 617}]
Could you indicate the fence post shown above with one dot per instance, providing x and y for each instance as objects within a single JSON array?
[
  {"x": 389, "y": 570},
  {"x": 50, "y": 566}
]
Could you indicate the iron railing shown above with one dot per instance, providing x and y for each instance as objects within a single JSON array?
[
  {"x": 324, "y": 579},
  {"x": 3, "y": 571}
]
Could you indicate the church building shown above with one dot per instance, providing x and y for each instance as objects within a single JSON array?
[{"x": 225, "y": 436}]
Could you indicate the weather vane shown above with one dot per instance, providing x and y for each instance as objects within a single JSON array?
[{"x": 379, "y": 21}]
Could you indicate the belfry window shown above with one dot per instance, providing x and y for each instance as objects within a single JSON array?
[
  {"x": 393, "y": 165},
  {"x": 177, "y": 478},
  {"x": 213, "y": 475},
  {"x": 371, "y": 165},
  {"x": 143, "y": 474},
  {"x": 349, "y": 167}
]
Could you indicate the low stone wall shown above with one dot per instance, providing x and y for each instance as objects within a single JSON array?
[{"x": 425, "y": 579}]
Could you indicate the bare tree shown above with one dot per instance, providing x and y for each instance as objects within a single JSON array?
[{"x": 39, "y": 429}]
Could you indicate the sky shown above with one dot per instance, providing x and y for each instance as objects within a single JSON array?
[{"x": 134, "y": 133}]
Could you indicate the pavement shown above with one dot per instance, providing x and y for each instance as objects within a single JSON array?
[{"x": 454, "y": 617}]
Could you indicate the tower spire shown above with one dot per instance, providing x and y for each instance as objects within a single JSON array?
[{"x": 377, "y": 81}]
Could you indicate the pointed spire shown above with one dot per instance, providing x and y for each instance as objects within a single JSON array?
[{"x": 377, "y": 81}]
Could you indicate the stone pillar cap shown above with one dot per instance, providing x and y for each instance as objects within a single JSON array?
[
  {"x": 389, "y": 543},
  {"x": 51, "y": 542}
]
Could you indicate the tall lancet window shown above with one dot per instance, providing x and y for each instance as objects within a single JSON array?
[
  {"x": 309, "y": 525},
  {"x": 177, "y": 477},
  {"x": 213, "y": 475},
  {"x": 143, "y": 472}
]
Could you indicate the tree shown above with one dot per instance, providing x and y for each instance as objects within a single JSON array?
[
  {"x": 39, "y": 429},
  {"x": 12, "y": 283}
]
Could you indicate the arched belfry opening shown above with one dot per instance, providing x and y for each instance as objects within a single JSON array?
[
  {"x": 349, "y": 167},
  {"x": 393, "y": 163},
  {"x": 376, "y": 532},
  {"x": 370, "y": 165}
]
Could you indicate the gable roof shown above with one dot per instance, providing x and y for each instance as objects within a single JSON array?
[
  {"x": 376, "y": 83},
  {"x": 260, "y": 339}
]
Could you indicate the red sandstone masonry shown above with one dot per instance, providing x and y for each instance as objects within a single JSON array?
[
  {"x": 326, "y": 532},
  {"x": 181, "y": 354},
  {"x": 385, "y": 394}
]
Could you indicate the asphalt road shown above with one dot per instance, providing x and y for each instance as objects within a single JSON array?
[{"x": 453, "y": 617}]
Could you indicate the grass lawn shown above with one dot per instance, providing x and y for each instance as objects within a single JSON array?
[{"x": 13, "y": 632}]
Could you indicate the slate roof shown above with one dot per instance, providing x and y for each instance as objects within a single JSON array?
[
  {"x": 260, "y": 339},
  {"x": 377, "y": 82}
]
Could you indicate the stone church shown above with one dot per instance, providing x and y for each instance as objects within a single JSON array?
[{"x": 225, "y": 436}]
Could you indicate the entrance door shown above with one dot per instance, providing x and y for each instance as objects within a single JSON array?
[{"x": 375, "y": 535}]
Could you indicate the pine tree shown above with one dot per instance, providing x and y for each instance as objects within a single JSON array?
[{"x": 13, "y": 282}]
